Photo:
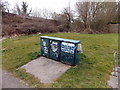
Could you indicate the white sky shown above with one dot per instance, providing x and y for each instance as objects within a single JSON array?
[
  {"x": 50, "y": 5},
  {"x": 53, "y": 5}
]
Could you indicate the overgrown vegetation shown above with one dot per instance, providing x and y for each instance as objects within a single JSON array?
[
  {"x": 95, "y": 16},
  {"x": 93, "y": 70},
  {"x": 17, "y": 25},
  {"x": 88, "y": 17}
]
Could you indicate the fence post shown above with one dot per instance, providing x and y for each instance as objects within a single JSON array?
[{"x": 115, "y": 63}]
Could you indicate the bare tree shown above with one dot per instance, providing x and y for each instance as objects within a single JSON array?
[
  {"x": 46, "y": 13},
  {"x": 23, "y": 9},
  {"x": 18, "y": 9},
  {"x": 43, "y": 13},
  {"x": 55, "y": 16},
  {"x": 4, "y": 6},
  {"x": 83, "y": 12},
  {"x": 96, "y": 15},
  {"x": 37, "y": 13},
  {"x": 67, "y": 17}
]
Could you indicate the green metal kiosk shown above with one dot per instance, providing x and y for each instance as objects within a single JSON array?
[{"x": 59, "y": 49}]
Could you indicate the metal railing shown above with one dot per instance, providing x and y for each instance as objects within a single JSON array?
[
  {"x": 116, "y": 68},
  {"x": 115, "y": 63}
]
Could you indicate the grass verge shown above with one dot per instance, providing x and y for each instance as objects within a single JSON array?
[
  {"x": 28, "y": 78},
  {"x": 94, "y": 68}
]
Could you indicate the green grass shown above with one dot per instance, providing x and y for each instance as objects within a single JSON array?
[
  {"x": 93, "y": 70},
  {"x": 30, "y": 79}
]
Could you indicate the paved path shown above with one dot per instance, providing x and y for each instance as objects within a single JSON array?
[
  {"x": 9, "y": 81},
  {"x": 46, "y": 70},
  {"x": 113, "y": 82}
]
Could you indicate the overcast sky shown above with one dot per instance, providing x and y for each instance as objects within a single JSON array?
[
  {"x": 50, "y": 5},
  {"x": 53, "y": 5}
]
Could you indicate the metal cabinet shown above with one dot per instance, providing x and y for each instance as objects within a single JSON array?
[{"x": 64, "y": 50}]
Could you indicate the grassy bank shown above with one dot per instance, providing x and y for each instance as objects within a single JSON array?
[{"x": 94, "y": 67}]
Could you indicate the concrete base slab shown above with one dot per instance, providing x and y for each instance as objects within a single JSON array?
[{"x": 46, "y": 70}]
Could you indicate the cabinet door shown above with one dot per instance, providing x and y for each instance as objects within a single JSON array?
[
  {"x": 67, "y": 58},
  {"x": 45, "y": 47},
  {"x": 54, "y": 49},
  {"x": 67, "y": 53}
]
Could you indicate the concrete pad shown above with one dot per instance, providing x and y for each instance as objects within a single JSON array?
[{"x": 46, "y": 70}]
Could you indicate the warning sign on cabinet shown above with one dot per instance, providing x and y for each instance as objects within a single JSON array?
[{"x": 68, "y": 47}]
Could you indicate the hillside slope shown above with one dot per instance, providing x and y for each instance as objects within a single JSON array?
[{"x": 16, "y": 25}]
